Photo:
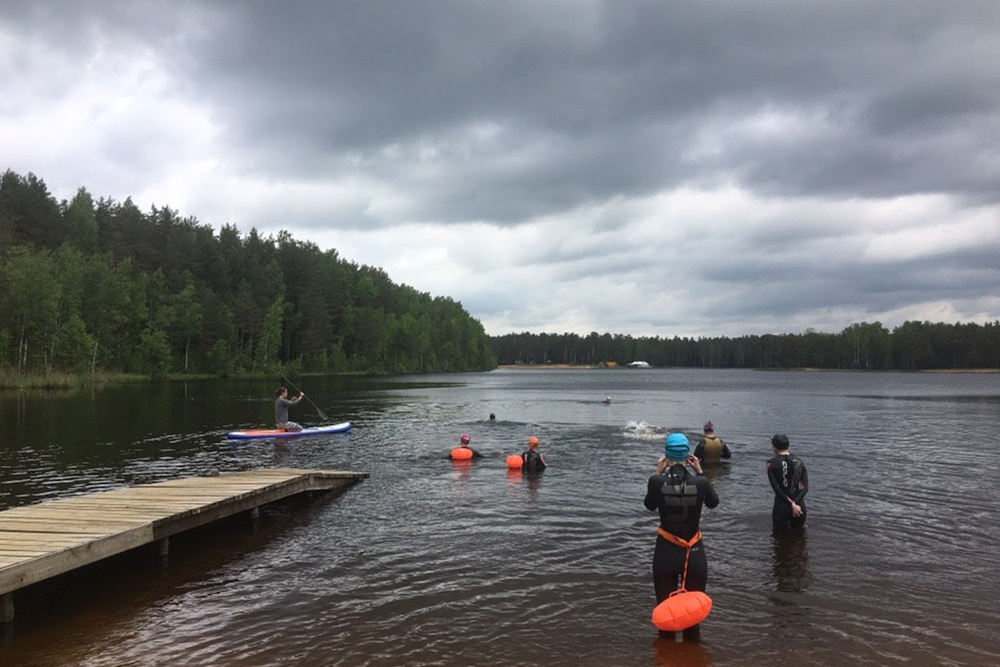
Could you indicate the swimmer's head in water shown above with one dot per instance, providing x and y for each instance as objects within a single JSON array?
[
  {"x": 677, "y": 447},
  {"x": 465, "y": 438},
  {"x": 533, "y": 442}
]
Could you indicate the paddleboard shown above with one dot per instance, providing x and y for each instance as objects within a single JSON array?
[{"x": 275, "y": 433}]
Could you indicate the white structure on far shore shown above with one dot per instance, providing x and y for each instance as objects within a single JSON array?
[{"x": 639, "y": 364}]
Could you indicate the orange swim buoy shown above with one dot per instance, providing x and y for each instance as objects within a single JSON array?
[
  {"x": 461, "y": 454},
  {"x": 514, "y": 461},
  {"x": 682, "y": 610}
]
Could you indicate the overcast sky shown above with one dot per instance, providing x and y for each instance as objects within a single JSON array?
[{"x": 645, "y": 167}]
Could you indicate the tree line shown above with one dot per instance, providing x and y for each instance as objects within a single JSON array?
[
  {"x": 870, "y": 346},
  {"x": 90, "y": 286}
]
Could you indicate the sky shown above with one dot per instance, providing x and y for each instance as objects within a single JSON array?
[{"x": 644, "y": 167}]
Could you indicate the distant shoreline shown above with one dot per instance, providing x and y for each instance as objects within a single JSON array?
[
  {"x": 810, "y": 369},
  {"x": 535, "y": 367}
]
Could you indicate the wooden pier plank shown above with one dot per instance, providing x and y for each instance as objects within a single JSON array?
[{"x": 48, "y": 539}]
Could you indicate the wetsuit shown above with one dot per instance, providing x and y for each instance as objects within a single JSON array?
[
  {"x": 712, "y": 450},
  {"x": 281, "y": 405},
  {"x": 679, "y": 495},
  {"x": 533, "y": 461},
  {"x": 790, "y": 482}
]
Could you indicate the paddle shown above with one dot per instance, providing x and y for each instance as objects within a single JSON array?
[{"x": 322, "y": 415}]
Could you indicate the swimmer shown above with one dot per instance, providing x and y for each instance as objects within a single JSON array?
[
  {"x": 790, "y": 482},
  {"x": 533, "y": 460},
  {"x": 679, "y": 497},
  {"x": 711, "y": 448},
  {"x": 463, "y": 451}
]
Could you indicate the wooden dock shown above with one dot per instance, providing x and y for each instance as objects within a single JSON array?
[{"x": 41, "y": 541}]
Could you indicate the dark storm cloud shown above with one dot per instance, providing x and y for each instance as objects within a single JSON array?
[
  {"x": 610, "y": 93},
  {"x": 748, "y": 161}
]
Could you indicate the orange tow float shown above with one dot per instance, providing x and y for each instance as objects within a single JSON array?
[{"x": 682, "y": 609}]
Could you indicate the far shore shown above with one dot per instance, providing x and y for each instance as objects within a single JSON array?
[{"x": 808, "y": 369}]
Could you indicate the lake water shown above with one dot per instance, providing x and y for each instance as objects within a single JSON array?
[{"x": 430, "y": 562}]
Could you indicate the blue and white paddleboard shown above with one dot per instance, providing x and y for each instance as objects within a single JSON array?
[{"x": 342, "y": 427}]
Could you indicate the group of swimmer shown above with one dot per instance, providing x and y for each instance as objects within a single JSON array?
[
  {"x": 529, "y": 461},
  {"x": 677, "y": 493},
  {"x": 679, "y": 559}
]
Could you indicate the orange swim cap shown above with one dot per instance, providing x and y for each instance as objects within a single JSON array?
[{"x": 532, "y": 440}]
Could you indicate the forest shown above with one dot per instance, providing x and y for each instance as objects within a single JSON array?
[
  {"x": 100, "y": 286},
  {"x": 912, "y": 346}
]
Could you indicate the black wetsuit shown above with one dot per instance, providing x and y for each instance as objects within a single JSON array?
[
  {"x": 533, "y": 461},
  {"x": 790, "y": 482},
  {"x": 679, "y": 495},
  {"x": 715, "y": 453}
]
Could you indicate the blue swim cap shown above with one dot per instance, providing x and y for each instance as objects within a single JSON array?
[{"x": 677, "y": 447}]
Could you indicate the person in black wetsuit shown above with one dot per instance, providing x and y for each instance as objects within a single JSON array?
[
  {"x": 711, "y": 448},
  {"x": 281, "y": 405},
  {"x": 533, "y": 461},
  {"x": 464, "y": 444},
  {"x": 788, "y": 477},
  {"x": 679, "y": 496}
]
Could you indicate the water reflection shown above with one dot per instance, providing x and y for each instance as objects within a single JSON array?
[
  {"x": 668, "y": 652},
  {"x": 790, "y": 566},
  {"x": 461, "y": 469},
  {"x": 716, "y": 472}
]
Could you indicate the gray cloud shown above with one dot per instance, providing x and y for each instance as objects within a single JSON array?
[{"x": 579, "y": 119}]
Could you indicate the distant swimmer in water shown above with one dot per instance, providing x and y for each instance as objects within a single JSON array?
[
  {"x": 788, "y": 477},
  {"x": 679, "y": 558},
  {"x": 533, "y": 460},
  {"x": 711, "y": 448},
  {"x": 281, "y": 405},
  {"x": 463, "y": 452},
  {"x": 493, "y": 417},
  {"x": 607, "y": 400}
]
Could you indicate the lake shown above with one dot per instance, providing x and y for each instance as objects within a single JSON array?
[{"x": 430, "y": 562}]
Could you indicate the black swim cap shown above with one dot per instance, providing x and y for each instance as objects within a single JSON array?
[{"x": 779, "y": 441}]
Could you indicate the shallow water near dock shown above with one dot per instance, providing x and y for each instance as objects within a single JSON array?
[{"x": 430, "y": 562}]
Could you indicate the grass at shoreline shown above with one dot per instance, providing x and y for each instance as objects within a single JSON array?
[{"x": 10, "y": 381}]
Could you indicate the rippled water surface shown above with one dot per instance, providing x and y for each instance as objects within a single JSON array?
[{"x": 430, "y": 562}]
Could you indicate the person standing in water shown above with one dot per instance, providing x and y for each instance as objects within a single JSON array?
[
  {"x": 533, "y": 460},
  {"x": 679, "y": 496},
  {"x": 711, "y": 448},
  {"x": 790, "y": 482},
  {"x": 281, "y": 405},
  {"x": 463, "y": 452}
]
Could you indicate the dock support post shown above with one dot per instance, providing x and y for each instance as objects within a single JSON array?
[
  {"x": 164, "y": 547},
  {"x": 6, "y": 607}
]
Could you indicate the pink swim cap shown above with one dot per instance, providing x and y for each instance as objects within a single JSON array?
[{"x": 465, "y": 438}]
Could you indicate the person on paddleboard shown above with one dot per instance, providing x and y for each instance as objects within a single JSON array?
[
  {"x": 790, "y": 482},
  {"x": 679, "y": 557},
  {"x": 711, "y": 448},
  {"x": 281, "y": 405}
]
